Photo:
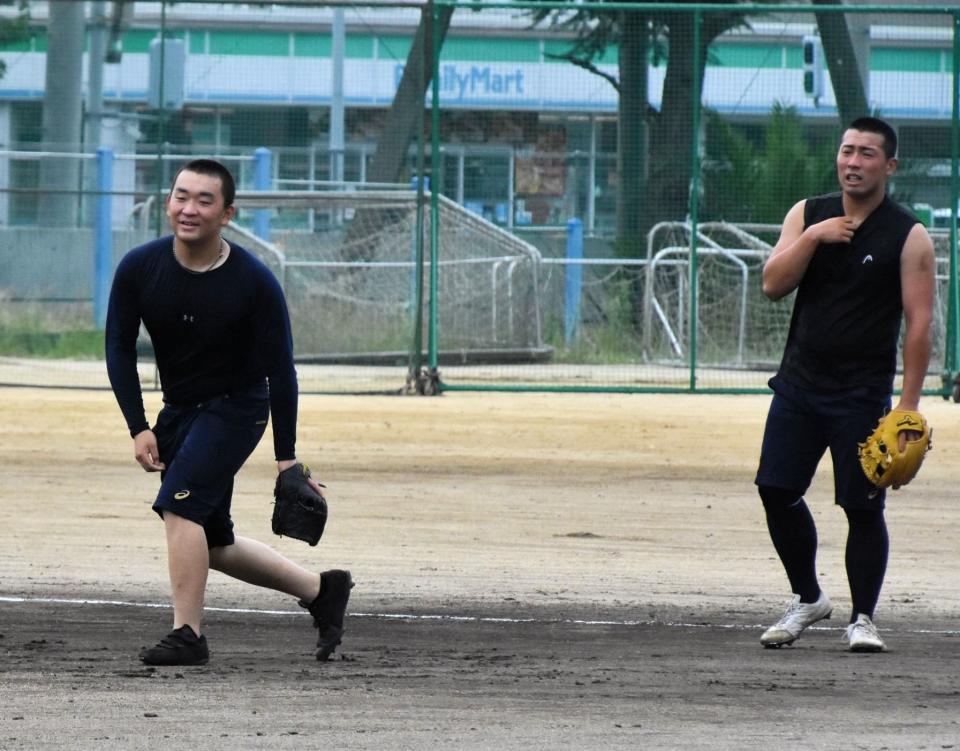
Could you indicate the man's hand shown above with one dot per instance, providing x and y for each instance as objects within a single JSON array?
[
  {"x": 838, "y": 229},
  {"x": 790, "y": 257},
  {"x": 299, "y": 510},
  {"x": 907, "y": 435},
  {"x": 287, "y": 463},
  {"x": 146, "y": 453}
]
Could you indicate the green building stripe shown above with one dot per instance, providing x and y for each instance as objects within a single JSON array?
[
  {"x": 357, "y": 46},
  {"x": 312, "y": 45},
  {"x": 269, "y": 43},
  {"x": 36, "y": 42},
  {"x": 489, "y": 50},
  {"x": 794, "y": 56},
  {"x": 916, "y": 60},
  {"x": 396, "y": 47},
  {"x": 321, "y": 45},
  {"x": 138, "y": 40},
  {"x": 745, "y": 56}
]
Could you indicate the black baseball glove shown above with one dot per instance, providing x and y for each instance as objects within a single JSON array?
[{"x": 299, "y": 511}]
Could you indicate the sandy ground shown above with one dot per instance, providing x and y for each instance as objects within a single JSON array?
[{"x": 533, "y": 571}]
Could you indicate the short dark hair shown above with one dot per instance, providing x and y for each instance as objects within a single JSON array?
[
  {"x": 878, "y": 126},
  {"x": 212, "y": 168}
]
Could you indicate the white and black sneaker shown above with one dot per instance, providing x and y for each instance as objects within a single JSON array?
[
  {"x": 799, "y": 617},
  {"x": 862, "y": 636}
]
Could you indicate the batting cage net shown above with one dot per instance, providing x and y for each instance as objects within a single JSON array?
[{"x": 462, "y": 195}]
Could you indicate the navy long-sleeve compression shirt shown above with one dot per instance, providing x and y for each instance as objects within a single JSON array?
[{"x": 212, "y": 333}]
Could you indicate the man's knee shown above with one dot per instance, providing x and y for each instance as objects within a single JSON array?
[{"x": 778, "y": 499}]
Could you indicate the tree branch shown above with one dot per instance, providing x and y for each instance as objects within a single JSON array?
[{"x": 590, "y": 67}]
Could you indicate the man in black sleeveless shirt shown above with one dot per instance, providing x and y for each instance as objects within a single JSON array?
[
  {"x": 220, "y": 331},
  {"x": 859, "y": 263}
]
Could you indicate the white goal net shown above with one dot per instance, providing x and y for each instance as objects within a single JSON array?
[{"x": 351, "y": 269}]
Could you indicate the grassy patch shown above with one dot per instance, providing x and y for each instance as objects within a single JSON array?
[
  {"x": 30, "y": 342},
  {"x": 51, "y": 330}
]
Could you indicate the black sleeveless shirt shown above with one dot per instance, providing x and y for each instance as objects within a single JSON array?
[{"x": 845, "y": 326}]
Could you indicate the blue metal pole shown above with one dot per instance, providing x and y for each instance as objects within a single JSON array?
[
  {"x": 262, "y": 158},
  {"x": 573, "y": 281},
  {"x": 103, "y": 238}
]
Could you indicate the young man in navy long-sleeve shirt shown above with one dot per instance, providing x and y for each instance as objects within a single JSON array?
[{"x": 220, "y": 331}]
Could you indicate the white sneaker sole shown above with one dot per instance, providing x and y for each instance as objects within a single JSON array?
[
  {"x": 867, "y": 648},
  {"x": 787, "y": 639}
]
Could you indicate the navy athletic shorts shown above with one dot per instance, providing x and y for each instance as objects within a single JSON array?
[
  {"x": 802, "y": 425},
  {"x": 204, "y": 445}
]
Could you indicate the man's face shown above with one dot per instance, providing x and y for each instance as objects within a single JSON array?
[
  {"x": 195, "y": 207},
  {"x": 862, "y": 165}
]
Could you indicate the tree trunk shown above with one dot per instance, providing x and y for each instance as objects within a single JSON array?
[
  {"x": 401, "y": 126},
  {"x": 407, "y": 108},
  {"x": 632, "y": 133},
  {"x": 842, "y": 64},
  {"x": 671, "y": 138}
]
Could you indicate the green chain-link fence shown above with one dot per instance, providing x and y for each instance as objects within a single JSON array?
[{"x": 602, "y": 182}]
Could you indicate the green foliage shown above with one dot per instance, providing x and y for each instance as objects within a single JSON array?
[
  {"x": 607, "y": 334},
  {"x": 749, "y": 182},
  {"x": 630, "y": 247},
  {"x": 598, "y": 31},
  {"x": 13, "y": 30}
]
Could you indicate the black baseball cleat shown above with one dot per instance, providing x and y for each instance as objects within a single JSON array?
[
  {"x": 328, "y": 610},
  {"x": 181, "y": 646}
]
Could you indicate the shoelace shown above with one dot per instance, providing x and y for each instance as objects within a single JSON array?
[
  {"x": 792, "y": 608},
  {"x": 174, "y": 641}
]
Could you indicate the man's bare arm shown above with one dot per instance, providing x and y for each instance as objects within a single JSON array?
[{"x": 917, "y": 280}]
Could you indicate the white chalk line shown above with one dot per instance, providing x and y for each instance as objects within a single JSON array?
[{"x": 444, "y": 617}]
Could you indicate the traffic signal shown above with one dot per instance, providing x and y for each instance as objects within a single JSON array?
[{"x": 812, "y": 67}]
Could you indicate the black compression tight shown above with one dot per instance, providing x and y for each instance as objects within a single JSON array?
[
  {"x": 868, "y": 547},
  {"x": 794, "y": 537}
]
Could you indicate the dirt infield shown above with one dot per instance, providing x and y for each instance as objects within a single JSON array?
[{"x": 533, "y": 571}]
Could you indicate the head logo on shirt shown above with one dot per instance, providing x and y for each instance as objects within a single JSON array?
[{"x": 866, "y": 259}]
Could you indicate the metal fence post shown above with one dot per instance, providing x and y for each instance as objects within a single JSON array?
[
  {"x": 952, "y": 344},
  {"x": 416, "y": 254},
  {"x": 103, "y": 238},
  {"x": 262, "y": 158},
  {"x": 695, "y": 106}
]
